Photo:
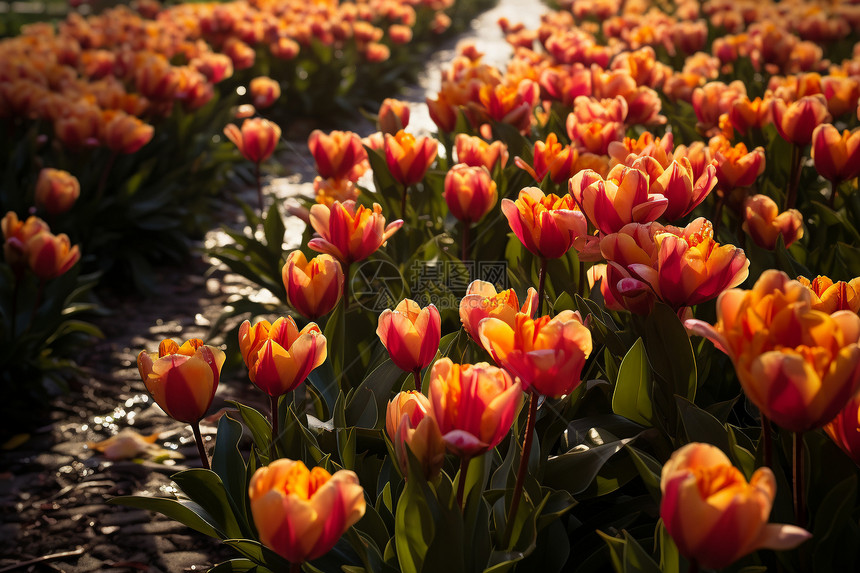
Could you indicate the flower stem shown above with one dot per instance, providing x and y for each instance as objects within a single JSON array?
[
  {"x": 461, "y": 485},
  {"x": 259, "y": 188},
  {"x": 794, "y": 177},
  {"x": 834, "y": 188},
  {"x": 296, "y": 567},
  {"x": 201, "y": 449},
  {"x": 416, "y": 374},
  {"x": 694, "y": 567},
  {"x": 464, "y": 250},
  {"x": 541, "y": 282},
  {"x": 403, "y": 202},
  {"x": 766, "y": 442},
  {"x": 273, "y": 449},
  {"x": 521, "y": 472},
  {"x": 346, "y": 286},
  {"x": 797, "y": 475}
]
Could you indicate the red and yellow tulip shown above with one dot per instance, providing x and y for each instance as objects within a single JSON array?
[
  {"x": 56, "y": 190},
  {"x": 338, "y": 155},
  {"x": 482, "y": 301},
  {"x": 470, "y": 192},
  {"x": 348, "y": 232},
  {"x": 764, "y": 222},
  {"x": 256, "y": 140},
  {"x": 411, "y": 334},
  {"x": 828, "y": 296},
  {"x": 409, "y": 422},
  {"x": 836, "y": 156},
  {"x": 547, "y": 225},
  {"x": 409, "y": 157},
  {"x": 313, "y": 287}
]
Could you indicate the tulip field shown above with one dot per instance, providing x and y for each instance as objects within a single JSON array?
[{"x": 604, "y": 317}]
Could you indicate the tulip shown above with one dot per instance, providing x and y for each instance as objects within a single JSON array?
[
  {"x": 256, "y": 140},
  {"x": 482, "y": 301},
  {"x": 713, "y": 514},
  {"x": 796, "y": 121},
  {"x": 348, "y": 232},
  {"x": 393, "y": 116},
  {"x": 836, "y": 156},
  {"x": 327, "y": 191},
  {"x": 510, "y": 103},
  {"x": 313, "y": 287},
  {"x": 799, "y": 366},
  {"x": 56, "y": 190},
  {"x": 182, "y": 379},
  {"x": 474, "y": 405},
  {"x": 622, "y": 198},
  {"x": 691, "y": 267},
  {"x": 844, "y": 429},
  {"x": 764, "y": 222},
  {"x": 338, "y": 155},
  {"x": 745, "y": 114},
  {"x": 547, "y": 225},
  {"x": 409, "y": 157},
  {"x": 546, "y": 354},
  {"x": 629, "y": 150},
  {"x": 621, "y": 288},
  {"x": 123, "y": 133},
  {"x": 50, "y": 256},
  {"x": 264, "y": 91},
  {"x": 595, "y": 124},
  {"x": 17, "y": 235},
  {"x": 470, "y": 192},
  {"x": 411, "y": 335},
  {"x": 409, "y": 422},
  {"x": 476, "y": 152},
  {"x": 551, "y": 158},
  {"x": 829, "y": 297},
  {"x": 279, "y": 357},
  {"x": 735, "y": 165},
  {"x": 301, "y": 514}
]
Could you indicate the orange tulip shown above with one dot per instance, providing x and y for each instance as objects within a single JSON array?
[
  {"x": 482, "y": 301},
  {"x": 713, "y": 514},
  {"x": 470, "y": 192},
  {"x": 279, "y": 357},
  {"x": 510, "y": 103},
  {"x": 313, "y": 287},
  {"x": 411, "y": 334},
  {"x": 629, "y": 150},
  {"x": 622, "y": 198},
  {"x": 301, "y": 514},
  {"x": 56, "y": 190},
  {"x": 764, "y": 222},
  {"x": 327, "y": 191},
  {"x": 551, "y": 158},
  {"x": 474, "y": 405},
  {"x": 677, "y": 184},
  {"x": 182, "y": 379},
  {"x": 17, "y": 235},
  {"x": 51, "y": 255},
  {"x": 264, "y": 91},
  {"x": 799, "y": 366},
  {"x": 350, "y": 233},
  {"x": 736, "y": 166},
  {"x": 690, "y": 267},
  {"x": 476, "y": 152},
  {"x": 125, "y": 133},
  {"x": 844, "y": 429},
  {"x": 256, "y": 140},
  {"x": 409, "y": 422},
  {"x": 595, "y": 124},
  {"x": 338, "y": 155},
  {"x": 546, "y": 354},
  {"x": 409, "y": 157},
  {"x": 745, "y": 114},
  {"x": 547, "y": 225},
  {"x": 393, "y": 115},
  {"x": 796, "y": 121},
  {"x": 829, "y": 297},
  {"x": 836, "y": 156},
  {"x": 621, "y": 288}
]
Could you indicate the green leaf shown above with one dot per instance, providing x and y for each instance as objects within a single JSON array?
[
  {"x": 700, "y": 426},
  {"x": 236, "y": 566},
  {"x": 259, "y": 554},
  {"x": 632, "y": 395},
  {"x": 185, "y": 512},
  {"x": 575, "y": 470},
  {"x": 228, "y": 463},
  {"x": 371, "y": 396},
  {"x": 669, "y": 350},
  {"x": 205, "y": 488},
  {"x": 636, "y": 559},
  {"x": 835, "y": 529},
  {"x": 414, "y": 524},
  {"x": 649, "y": 469},
  {"x": 259, "y": 426},
  {"x": 335, "y": 336}
]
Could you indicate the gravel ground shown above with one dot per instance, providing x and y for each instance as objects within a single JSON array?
[{"x": 54, "y": 490}]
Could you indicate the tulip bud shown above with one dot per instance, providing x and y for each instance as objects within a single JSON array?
[
  {"x": 264, "y": 91},
  {"x": 836, "y": 156},
  {"x": 256, "y": 140},
  {"x": 411, "y": 334},
  {"x": 705, "y": 497},
  {"x": 546, "y": 354},
  {"x": 764, "y": 222},
  {"x": 313, "y": 287},
  {"x": 551, "y": 158},
  {"x": 470, "y": 192},
  {"x": 51, "y": 255},
  {"x": 474, "y": 405},
  {"x": 278, "y": 356},
  {"x": 796, "y": 121},
  {"x": 17, "y": 235},
  {"x": 393, "y": 116},
  {"x": 350, "y": 233},
  {"x": 482, "y": 301},
  {"x": 624, "y": 197},
  {"x": 547, "y": 225},
  {"x": 338, "y": 155},
  {"x": 182, "y": 379},
  {"x": 408, "y": 157},
  {"x": 56, "y": 190},
  {"x": 476, "y": 152},
  {"x": 300, "y": 514},
  {"x": 736, "y": 167},
  {"x": 844, "y": 429},
  {"x": 408, "y": 422}
]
